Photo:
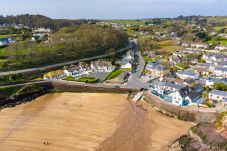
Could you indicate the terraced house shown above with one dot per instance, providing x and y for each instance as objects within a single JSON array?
[{"x": 218, "y": 96}]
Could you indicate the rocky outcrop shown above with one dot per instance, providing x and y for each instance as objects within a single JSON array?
[{"x": 202, "y": 137}]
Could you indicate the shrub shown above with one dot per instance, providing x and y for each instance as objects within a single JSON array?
[{"x": 209, "y": 104}]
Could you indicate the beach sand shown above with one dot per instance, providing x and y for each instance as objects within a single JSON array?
[{"x": 87, "y": 122}]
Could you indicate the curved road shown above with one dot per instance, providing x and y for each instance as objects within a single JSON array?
[
  {"x": 133, "y": 82},
  {"x": 62, "y": 64}
]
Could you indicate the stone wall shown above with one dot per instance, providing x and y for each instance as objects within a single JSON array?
[{"x": 180, "y": 112}]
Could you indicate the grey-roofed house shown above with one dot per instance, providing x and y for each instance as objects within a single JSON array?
[
  {"x": 210, "y": 81},
  {"x": 187, "y": 75},
  {"x": 162, "y": 87},
  {"x": 157, "y": 70},
  {"x": 185, "y": 96},
  {"x": 220, "y": 72},
  {"x": 217, "y": 95}
]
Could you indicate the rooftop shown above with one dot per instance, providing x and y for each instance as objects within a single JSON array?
[{"x": 218, "y": 92}]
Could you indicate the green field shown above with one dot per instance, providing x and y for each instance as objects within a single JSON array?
[
  {"x": 214, "y": 40},
  {"x": 133, "y": 22},
  {"x": 217, "y": 29},
  {"x": 115, "y": 74}
]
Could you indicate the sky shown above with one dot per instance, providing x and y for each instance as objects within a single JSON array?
[{"x": 113, "y": 9}]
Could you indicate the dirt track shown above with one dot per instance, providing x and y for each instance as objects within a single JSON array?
[{"x": 87, "y": 122}]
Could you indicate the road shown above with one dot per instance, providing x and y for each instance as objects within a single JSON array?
[
  {"x": 133, "y": 82},
  {"x": 61, "y": 64}
]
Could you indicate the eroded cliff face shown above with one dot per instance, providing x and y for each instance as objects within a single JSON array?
[{"x": 202, "y": 137}]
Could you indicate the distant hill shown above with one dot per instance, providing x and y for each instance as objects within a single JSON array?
[{"x": 40, "y": 21}]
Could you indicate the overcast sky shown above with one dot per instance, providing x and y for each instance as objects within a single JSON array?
[{"x": 113, "y": 9}]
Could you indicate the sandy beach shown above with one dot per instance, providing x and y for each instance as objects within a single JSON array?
[{"x": 87, "y": 122}]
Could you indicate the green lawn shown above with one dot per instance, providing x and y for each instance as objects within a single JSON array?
[
  {"x": 3, "y": 52},
  {"x": 83, "y": 79},
  {"x": 181, "y": 66},
  {"x": 219, "y": 28},
  {"x": 8, "y": 36},
  {"x": 69, "y": 78},
  {"x": 214, "y": 40},
  {"x": 148, "y": 59},
  {"x": 88, "y": 79},
  {"x": 115, "y": 74}
]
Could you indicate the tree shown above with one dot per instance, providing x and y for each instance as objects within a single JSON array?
[{"x": 220, "y": 86}]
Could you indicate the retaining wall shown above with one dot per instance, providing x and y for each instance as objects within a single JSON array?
[{"x": 181, "y": 112}]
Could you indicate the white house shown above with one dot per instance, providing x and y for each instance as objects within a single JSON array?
[
  {"x": 185, "y": 97},
  {"x": 125, "y": 65}
]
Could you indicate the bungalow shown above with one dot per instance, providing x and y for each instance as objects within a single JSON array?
[
  {"x": 54, "y": 75},
  {"x": 102, "y": 66},
  {"x": 217, "y": 95},
  {"x": 157, "y": 69},
  {"x": 187, "y": 75}
]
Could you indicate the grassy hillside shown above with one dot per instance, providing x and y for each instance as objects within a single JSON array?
[{"x": 69, "y": 43}]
